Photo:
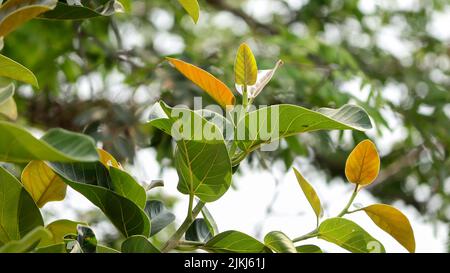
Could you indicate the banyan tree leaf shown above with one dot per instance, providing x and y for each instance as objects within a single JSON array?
[
  {"x": 310, "y": 194},
  {"x": 17, "y": 145},
  {"x": 59, "y": 229},
  {"x": 363, "y": 164},
  {"x": 201, "y": 157},
  {"x": 159, "y": 215},
  {"x": 271, "y": 123},
  {"x": 198, "y": 231},
  {"x": 125, "y": 185},
  {"x": 207, "y": 82},
  {"x": 94, "y": 182},
  {"x": 349, "y": 236},
  {"x": 245, "y": 67},
  {"x": 42, "y": 183},
  {"x": 28, "y": 242},
  {"x": 192, "y": 8},
  {"x": 18, "y": 212},
  {"x": 8, "y": 106},
  {"x": 308, "y": 249},
  {"x": 86, "y": 239},
  {"x": 235, "y": 242},
  {"x": 14, "y": 13},
  {"x": 209, "y": 219},
  {"x": 71, "y": 11},
  {"x": 279, "y": 242},
  {"x": 15, "y": 71},
  {"x": 138, "y": 244},
  {"x": 393, "y": 222}
]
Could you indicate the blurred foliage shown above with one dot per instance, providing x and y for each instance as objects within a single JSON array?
[{"x": 99, "y": 76}]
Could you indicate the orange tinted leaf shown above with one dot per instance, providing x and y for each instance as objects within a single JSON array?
[
  {"x": 210, "y": 84},
  {"x": 363, "y": 164},
  {"x": 107, "y": 159},
  {"x": 393, "y": 222}
]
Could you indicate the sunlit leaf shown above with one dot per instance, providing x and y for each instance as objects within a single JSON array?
[
  {"x": 349, "y": 236},
  {"x": 279, "y": 242},
  {"x": 235, "y": 242},
  {"x": 19, "y": 146},
  {"x": 363, "y": 164},
  {"x": 263, "y": 78},
  {"x": 16, "y": 12},
  {"x": 15, "y": 71},
  {"x": 192, "y": 8},
  {"x": 310, "y": 194},
  {"x": 138, "y": 244},
  {"x": 18, "y": 212},
  {"x": 125, "y": 185},
  {"x": 207, "y": 82},
  {"x": 107, "y": 159},
  {"x": 28, "y": 242},
  {"x": 59, "y": 229},
  {"x": 393, "y": 222},
  {"x": 8, "y": 106},
  {"x": 245, "y": 68},
  {"x": 42, "y": 183}
]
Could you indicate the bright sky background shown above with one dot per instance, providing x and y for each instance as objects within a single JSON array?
[{"x": 244, "y": 209}]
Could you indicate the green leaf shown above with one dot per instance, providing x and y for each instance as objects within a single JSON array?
[
  {"x": 18, "y": 212},
  {"x": 42, "y": 183},
  {"x": 27, "y": 243},
  {"x": 198, "y": 231},
  {"x": 125, "y": 185},
  {"x": 245, "y": 68},
  {"x": 201, "y": 157},
  {"x": 213, "y": 228},
  {"x": 15, "y": 71},
  {"x": 159, "y": 215},
  {"x": 56, "y": 248},
  {"x": 19, "y": 146},
  {"x": 310, "y": 194},
  {"x": 105, "y": 249},
  {"x": 9, "y": 109},
  {"x": 271, "y": 123},
  {"x": 64, "y": 11},
  {"x": 16, "y": 12},
  {"x": 279, "y": 242},
  {"x": 93, "y": 181},
  {"x": 138, "y": 244},
  {"x": 86, "y": 239},
  {"x": 235, "y": 242},
  {"x": 59, "y": 229},
  {"x": 192, "y": 8},
  {"x": 308, "y": 249},
  {"x": 349, "y": 236}
]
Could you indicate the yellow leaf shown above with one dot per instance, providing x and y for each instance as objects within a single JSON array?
[
  {"x": 363, "y": 164},
  {"x": 310, "y": 194},
  {"x": 16, "y": 12},
  {"x": 107, "y": 159},
  {"x": 42, "y": 183},
  {"x": 245, "y": 68},
  {"x": 9, "y": 109},
  {"x": 393, "y": 222},
  {"x": 192, "y": 8},
  {"x": 210, "y": 84}
]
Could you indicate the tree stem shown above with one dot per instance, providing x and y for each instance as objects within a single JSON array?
[{"x": 175, "y": 239}]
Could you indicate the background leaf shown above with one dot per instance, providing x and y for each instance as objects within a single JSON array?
[
  {"x": 363, "y": 164},
  {"x": 349, "y": 235},
  {"x": 65, "y": 11},
  {"x": 42, "y": 183},
  {"x": 279, "y": 242},
  {"x": 393, "y": 222},
  {"x": 198, "y": 231},
  {"x": 207, "y": 82}
]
